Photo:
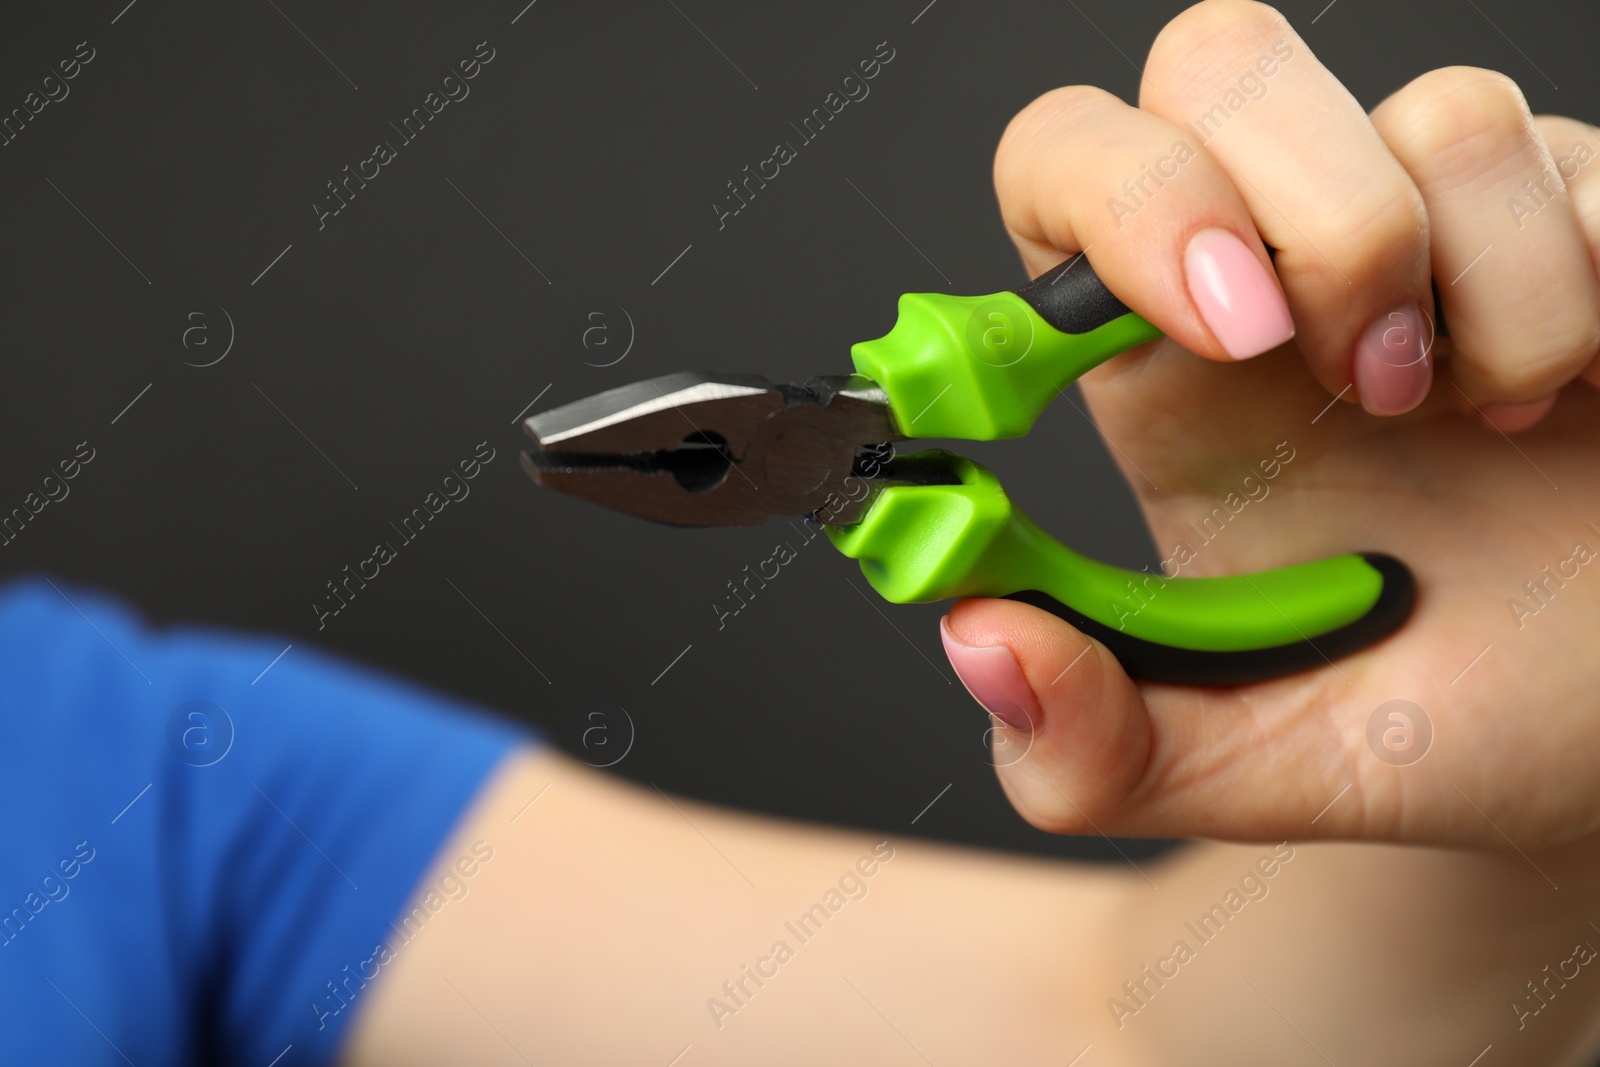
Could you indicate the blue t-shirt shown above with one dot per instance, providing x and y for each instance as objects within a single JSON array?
[{"x": 205, "y": 840}]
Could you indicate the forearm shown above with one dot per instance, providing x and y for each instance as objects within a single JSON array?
[
  {"x": 757, "y": 940},
  {"x": 615, "y": 927},
  {"x": 1360, "y": 954}
]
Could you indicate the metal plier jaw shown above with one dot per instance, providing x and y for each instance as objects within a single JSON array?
[{"x": 699, "y": 449}]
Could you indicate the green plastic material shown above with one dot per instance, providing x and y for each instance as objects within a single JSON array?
[
  {"x": 982, "y": 367},
  {"x": 928, "y": 542}
]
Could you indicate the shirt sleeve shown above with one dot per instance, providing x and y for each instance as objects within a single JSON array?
[{"x": 208, "y": 838}]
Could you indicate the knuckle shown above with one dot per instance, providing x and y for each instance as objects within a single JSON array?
[
  {"x": 1546, "y": 360},
  {"x": 1572, "y": 343},
  {"x": 1572, "y": 146},
  {"x": 1050, "y": 114},
  {"x": 1021, "y": 158},
  {"x": 1380, "y": 231},
  {"x": 1189, "y": 50},
  {"x": 1463, "y": 115}
]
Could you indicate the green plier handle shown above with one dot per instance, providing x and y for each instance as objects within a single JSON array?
[{"x": 980, "y": 368}]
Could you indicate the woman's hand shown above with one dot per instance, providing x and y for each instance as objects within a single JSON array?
[{"x": 1469, "y": 457}]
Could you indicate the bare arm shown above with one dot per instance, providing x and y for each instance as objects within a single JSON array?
[
  {"x": 614, "y": 926},
  {"x": 611, "y": 925}
]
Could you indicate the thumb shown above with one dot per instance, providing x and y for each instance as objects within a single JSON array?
[{"x": 1074, "y": 730}]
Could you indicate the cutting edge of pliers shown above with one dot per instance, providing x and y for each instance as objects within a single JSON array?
[{"x": 724, "y": 449}]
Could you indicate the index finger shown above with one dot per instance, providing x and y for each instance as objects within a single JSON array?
[{"x": 1186, "y": 256}]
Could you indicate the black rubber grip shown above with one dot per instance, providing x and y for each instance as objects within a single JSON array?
[
  {"x": 1148, "y": 661},
  {"x": 1072, "y": 298}
]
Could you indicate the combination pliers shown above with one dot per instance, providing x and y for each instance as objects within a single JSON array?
[{"x": 698, "y": 449}]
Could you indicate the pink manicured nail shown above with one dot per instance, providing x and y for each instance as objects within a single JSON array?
[
  {"x": 1514, "y": 418},
  {"x": 1392, "y": 367},
  {"x": 994, "y": 678},
  {"x": 1236, "y": 295}
]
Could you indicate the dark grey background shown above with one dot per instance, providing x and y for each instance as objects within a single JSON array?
[{"x": 409, "y": 329}]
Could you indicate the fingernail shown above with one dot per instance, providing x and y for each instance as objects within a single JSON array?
[
  {"x": 1236, "y": 295},
  {"x": 1392, "y": 367},
  {"x": 1514, "y": 418},
  {"x": 994, "y": 678}
]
